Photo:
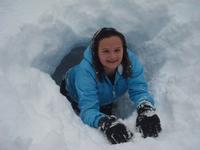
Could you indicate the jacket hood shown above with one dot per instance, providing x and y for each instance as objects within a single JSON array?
[{"x": 88, "y": 55}]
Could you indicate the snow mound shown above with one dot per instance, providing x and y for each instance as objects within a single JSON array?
[{"x": 36, "y": 36}]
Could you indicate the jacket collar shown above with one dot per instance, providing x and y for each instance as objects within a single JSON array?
[{"x": 120, "y": 69}]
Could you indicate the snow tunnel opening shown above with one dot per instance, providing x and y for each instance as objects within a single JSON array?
[
  {"x": 122, "y": 108},
  {"x": 69, "y": 60}
]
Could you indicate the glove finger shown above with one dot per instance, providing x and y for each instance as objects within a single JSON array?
[
  {"x": 146, "y": 129},
  {"x": 113, "y": 139},
  {"x": 158, "y": 127},
  {"x": 150, "y": 131},
  {"x": 119, "y": 138},
  {"x": 124, "y": 133},
  {"x": 144, "y": 132},
  {"x": 157, "y": 123},
  {"x": 127, "y": 134},
  {"x": 123, "y": 138},
  {"x": 155, "y": 132}
]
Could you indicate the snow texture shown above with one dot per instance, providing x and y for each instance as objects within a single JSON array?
[{"x": 36, "y": 34}]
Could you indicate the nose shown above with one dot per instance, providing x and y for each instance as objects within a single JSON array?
[{"x": 112, "y": 55}]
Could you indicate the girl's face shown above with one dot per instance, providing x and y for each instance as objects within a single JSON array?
[{"x": 110, "y": 52}]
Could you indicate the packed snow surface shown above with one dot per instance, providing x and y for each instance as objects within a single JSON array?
[{"x": 36, "y": 34}]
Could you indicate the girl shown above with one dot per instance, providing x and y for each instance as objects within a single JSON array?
[{"x": 106, "y": 72}]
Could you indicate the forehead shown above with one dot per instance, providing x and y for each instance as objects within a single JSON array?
[{"x": 113, "y": 41}]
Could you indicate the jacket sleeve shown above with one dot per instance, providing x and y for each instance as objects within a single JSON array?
[
  {"x": 137, "y": 85},
  {"x": 88, "y": 101}
]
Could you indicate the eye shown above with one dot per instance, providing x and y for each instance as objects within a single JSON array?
[
  {"x": 117, "y": 50},
  {"x": 105, "y": 51}
]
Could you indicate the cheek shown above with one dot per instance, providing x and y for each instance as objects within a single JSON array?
[{"x": 101, "y": 58}]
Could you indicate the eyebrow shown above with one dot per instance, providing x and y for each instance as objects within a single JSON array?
[{"x": 114, "y": 48}]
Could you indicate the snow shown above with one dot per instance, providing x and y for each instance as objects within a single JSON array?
[{"x": 36, "y": 34}]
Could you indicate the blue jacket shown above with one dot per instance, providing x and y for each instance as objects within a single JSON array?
[{"x": 90, "y": 93}]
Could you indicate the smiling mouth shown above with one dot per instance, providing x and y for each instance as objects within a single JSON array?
[{"x": 112, "y": 61}]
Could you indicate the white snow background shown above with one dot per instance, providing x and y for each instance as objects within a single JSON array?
[{"x": 36, "y": 34}]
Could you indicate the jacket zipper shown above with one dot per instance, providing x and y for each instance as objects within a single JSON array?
[{"x": 113, "y": 91}]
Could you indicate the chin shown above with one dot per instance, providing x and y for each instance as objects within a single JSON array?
[{"x": 113, "y": 67}]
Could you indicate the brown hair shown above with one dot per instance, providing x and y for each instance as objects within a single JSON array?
[{"x": 106, "y": 33}]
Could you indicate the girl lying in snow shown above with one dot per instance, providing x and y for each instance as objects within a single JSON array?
[{"x": 106, "y": 72}]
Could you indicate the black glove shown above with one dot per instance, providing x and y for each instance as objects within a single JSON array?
[
  {"x": 147, "y": 122},
  {"x": 115, "y": 131}
]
